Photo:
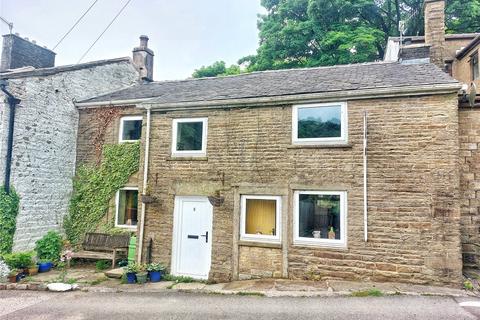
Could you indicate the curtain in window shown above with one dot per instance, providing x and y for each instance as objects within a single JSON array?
[{"x": 260, "y": 216}]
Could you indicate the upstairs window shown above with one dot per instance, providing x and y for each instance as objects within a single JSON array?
[
  {"x": 260, "y": 218},
  {"x": 189, "y": 137},
  {"x": 474, "y": 66},
  {"x": 130, "y": 129},
  {"x": 127, "y": 208},
  {"x": 319, "y": 123}
]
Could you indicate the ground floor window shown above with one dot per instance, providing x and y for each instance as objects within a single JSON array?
[
  {"x": 320, "y": 218},
  {"x": 127, "y": 207},
  {"x": 260, "y": 218}
]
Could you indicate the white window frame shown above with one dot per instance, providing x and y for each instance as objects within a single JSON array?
[
  {"x": 343, "y": 139},
  {"x": 278, "y": 216},
  {"x": 120, "y": 132},
  {"x": 117, "y": 207},
  {"x": 189, "y": 153},
  {"x": 342, "y": 242}
]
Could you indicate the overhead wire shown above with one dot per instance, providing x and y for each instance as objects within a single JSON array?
[
  {"x": 105, "y": 30},
  {"x": 75, "y": 24}
]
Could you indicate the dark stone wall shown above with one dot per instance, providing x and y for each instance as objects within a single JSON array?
[{"x": 18, "y": 52}]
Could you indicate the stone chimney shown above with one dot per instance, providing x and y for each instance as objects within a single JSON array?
[
  {"x": 435, "y": 30},
  {"x": 143, "y": 60},
  {"x": 18, "y": 52}
]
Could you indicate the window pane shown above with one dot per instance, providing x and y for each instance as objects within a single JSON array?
[
  {"x": 127, "y": 207},
  {"x": 319, "y": 216},
  {"x": 260, "y": 217},
  {"x": 189, "y": 136},
  {"x": 132, "y": 129},
  {"x": 321, "y": 122}
]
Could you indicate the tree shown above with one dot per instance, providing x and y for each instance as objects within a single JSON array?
[
  {"x": 308, "y": 33},
  {"x": 218, "y": 68}
]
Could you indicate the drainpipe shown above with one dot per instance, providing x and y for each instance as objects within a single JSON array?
[
  {"x": 365, "y": 198},
  {"x": 145, "y": 180},
  {"x": 12, "y": 104}
]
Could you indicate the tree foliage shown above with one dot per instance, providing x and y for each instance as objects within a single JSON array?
[
  {"x": 308, "y": 33},
  {"x": 218, "y": 68}
]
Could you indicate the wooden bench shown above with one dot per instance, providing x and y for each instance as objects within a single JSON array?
[{"x": 99, "y": 246}]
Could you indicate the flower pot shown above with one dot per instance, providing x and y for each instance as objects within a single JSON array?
[
  {"x": 142, "y": 277},
  {"x": 131, "y": 277},
  {"x": 45, "y": 266},
  {"x": 155, "y": 276},
  {"x": 32, "y": 271},
  {"x": 147, "y": 199},
  {"x": 12, "y": 278}
]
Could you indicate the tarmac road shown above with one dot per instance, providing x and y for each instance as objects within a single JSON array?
[{"x": 175, "y": 305}]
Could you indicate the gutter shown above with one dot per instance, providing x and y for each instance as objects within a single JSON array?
[
  {"x": 12, "y": 103},
  {"x": 144, "y": 188}
]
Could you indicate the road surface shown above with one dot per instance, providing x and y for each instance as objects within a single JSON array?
[{"x": 175, "y": 305}]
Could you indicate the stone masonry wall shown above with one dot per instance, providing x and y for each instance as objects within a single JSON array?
[
  {"x": 414, "y": 211},
  {"x": 255, "y": 262},
  {"x": 469, "y": 136},
  {"x": 45, "y": 141}
]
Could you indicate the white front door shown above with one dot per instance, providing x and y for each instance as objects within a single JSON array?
[{"x": 192, "y": 237}]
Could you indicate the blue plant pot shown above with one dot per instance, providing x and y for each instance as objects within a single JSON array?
[
  {"x": 45, "y": 266},
  {"x": 131, "y": 277},
  {"x": 155, "y": 276}
]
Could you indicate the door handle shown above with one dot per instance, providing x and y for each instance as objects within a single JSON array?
[{"x": 206, "y": 236}]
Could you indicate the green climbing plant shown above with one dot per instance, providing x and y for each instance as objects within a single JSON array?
[
  {"x": 94, "y": 186},
  {"x": 8, "y": 219}
]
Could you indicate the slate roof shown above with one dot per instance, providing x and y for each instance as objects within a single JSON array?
[
  {"x": 415, "y": 52},
  {"x": 32, "y": 72},
  {"x": 282, "y": 83}
]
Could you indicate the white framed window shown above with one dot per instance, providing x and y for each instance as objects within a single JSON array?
[
  {"x": 126, "y": 208},
  {"x": 319, "y": 218},
  {"x": 260, "y": 218},
  {"x": 130, "y": 129},
  {"x": 189, "y": 137},
  {"x": 320, "y": 123}
]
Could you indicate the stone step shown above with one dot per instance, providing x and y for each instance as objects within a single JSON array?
[{"x": 114, "y": 273}]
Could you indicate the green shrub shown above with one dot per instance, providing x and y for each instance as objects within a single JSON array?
[
  {"x": 94, "y": 186},
  {"x": 155, "y": 267},
  {"x": 49, "y": 247},
  {"x": 8, "y": 219},
  {"x": 19, "y": 260},
  {"x": 467, "y": 285},
  {"x": 101, "y": 265}
]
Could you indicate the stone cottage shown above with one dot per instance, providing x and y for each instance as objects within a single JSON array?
[
  {"x": 457, "y": 54},
  {"x": 45, "y": 128}
]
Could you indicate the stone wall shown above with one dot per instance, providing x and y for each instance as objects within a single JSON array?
[
  {"x": 414, "y": 211},
  {"x": 462, "y": 70},
  {"x": 45, "y": 141},
  {"x": 469, "y": 136}
]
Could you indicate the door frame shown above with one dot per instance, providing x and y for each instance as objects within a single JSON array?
[{"x": 177, "y": 232}]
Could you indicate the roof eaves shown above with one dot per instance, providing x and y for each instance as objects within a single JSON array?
[{"x": 462, "y": 53}]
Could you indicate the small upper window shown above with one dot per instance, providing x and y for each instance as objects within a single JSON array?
[
  {"x": 189, "y": 137},
  {"x": 319, "y": 123},
  {"x": 474, "y": 66},
  {"x": 130, "y": 129},
  {"x": 127, "y": 208},
  {"x": 320, "y": 218},
  {"x": 260, "y": 218}
]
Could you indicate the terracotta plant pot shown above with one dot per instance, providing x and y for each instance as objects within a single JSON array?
[
  {"x": 12, "y": 278},
  {"x": 33, "y": 271}
]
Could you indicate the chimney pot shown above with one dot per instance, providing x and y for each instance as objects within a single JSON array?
[{"x": 143, "y": 41}]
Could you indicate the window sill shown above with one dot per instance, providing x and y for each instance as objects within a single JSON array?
[
  {"x": 259, "y": 244},
  {"x": 321, "y": 146},
  {"x": 186, "y": 158},
  {"x": 319, "y": 245}
]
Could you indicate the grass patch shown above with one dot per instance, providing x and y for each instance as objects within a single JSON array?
[
  {"x": 98, "y": 281},
  {"x": 367, "y": 293},
  {"x": 179, "y": 279},
  {"x": 250, "y": 293},
  {"x": 101, "y": 265}
]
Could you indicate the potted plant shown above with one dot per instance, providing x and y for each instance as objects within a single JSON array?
[
  {"x": 19, "y": 261},
  {"x": 130, "y": 272},
  {"x": 13, "y": 276},
  {"x": 155, "y": 271},
  {"x": 48, "y": 250},
  {"x": 142, "y": 274}
]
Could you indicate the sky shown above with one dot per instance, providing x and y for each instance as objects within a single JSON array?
[{"x": 184, "y": 34}]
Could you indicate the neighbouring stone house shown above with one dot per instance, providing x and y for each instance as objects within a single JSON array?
[
  {"x": 458, "y": 54},
  {"x": 45, "y": 129}
]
